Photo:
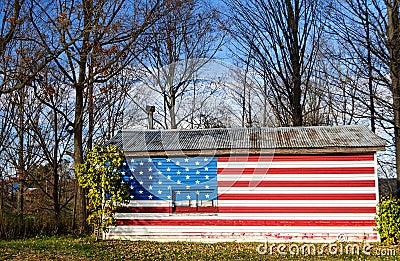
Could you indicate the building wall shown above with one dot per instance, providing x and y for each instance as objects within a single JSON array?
[{"x": 250, "y": 198}]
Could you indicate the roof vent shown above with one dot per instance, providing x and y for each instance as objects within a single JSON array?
[{"x": 150, "y": 110}]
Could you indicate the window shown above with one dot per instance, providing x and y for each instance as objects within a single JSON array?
[{"x": 194, "y": 201}]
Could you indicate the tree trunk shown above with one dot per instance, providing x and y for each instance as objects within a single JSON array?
[
  {"x": 370, "y": 75},
  {"x": 293, "y": 23},
  {"x": 393, "y": 32},
  {"x": 56, "y": 198},
  {"x": 79, "y": 109},
  {"x": 90, "y": 81},
  {"x": 78, "y": 158},
  {"x": 90, "y": 114},
  {"x": 173, "y": 117},
  {"x": 2, "y": 194},
  {"x": 172, "y": 114},
  {"x": 21, "y": 164}
]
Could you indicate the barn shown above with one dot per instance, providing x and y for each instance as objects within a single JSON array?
[{"x": 249, "y": 184}]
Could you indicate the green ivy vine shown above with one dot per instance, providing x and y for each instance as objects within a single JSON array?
[{"x": 100, "y": 175}]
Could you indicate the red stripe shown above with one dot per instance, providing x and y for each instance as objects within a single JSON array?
[
  {"x": 195, "y": 210},
  {"x": 355, "y": 170},
  {"x": 280, "y": 210},
  {"x": 297, "y": 196},
  {"x": 295, "y": 183},
  {"x": 313, "y": 210},
  {"x": 233, "y": 222},
  {"x": 282, "y": 158}
]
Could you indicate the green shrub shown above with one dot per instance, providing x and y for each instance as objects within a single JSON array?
[
  {"x": 16, "y": 226},
  {"x": 388, "y": 220}
]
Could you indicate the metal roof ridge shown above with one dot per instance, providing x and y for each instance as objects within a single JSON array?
[{"x": 249, "y": 128}]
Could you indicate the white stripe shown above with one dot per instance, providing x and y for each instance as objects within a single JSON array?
[
  {"x": 294, "y": 177},
  {"x": 176, "y": 230},
  {"x": 295, "y": 190},
  {"x": 297, "y": 164},
  {"x": 149, "y": 203},
  {"x": 248, "y": 216}
]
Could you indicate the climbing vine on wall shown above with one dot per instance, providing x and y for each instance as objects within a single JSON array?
[{"x": 100, "y": 175}]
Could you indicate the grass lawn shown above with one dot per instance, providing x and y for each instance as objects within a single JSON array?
[{"x": 87, "y": 248}]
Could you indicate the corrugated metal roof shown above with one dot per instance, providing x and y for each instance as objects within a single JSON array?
[{"x": 346, "y": 136}]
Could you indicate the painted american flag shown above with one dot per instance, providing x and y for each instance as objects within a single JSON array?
[
  {"x": 278, "y": 197},
  {"x": 159, "y": 178}
]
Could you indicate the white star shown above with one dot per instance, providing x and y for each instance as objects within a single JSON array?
[
  {"x": 177, "y": 163},
  {"x": 187, "y": 177},
  {"x": 197, "y": 181},
  {"x": 141, "y": 182},
  {"x": 205, "y": 159},
  {"x": 169, "y": 177},
  {"x": 159, "y": 163},
  {"x": 207, "y": 196},
  {"x": 150, "y": 197},
  {"x": 178, "y": 172},
  {"x": 159, "y": 192},
  {"x": 132, "y": 196},
  {"x": 159, "y": 173},
  {"x": 131, "y": 177},
  {"x": 123, "y": 173},
  {"x": 150, "y": 177},
  {"x": 197, "y": 172},
  {"x": 122, "y": 181},
  {"x": 149, "y": 160},
  {"x": 178, "y": 182},
  {"x": 197, "y": 192},
  {"x": 168, "y": 160},
  {"x": 188, "y": 196},
  {"x": 141, "y": 163},
  {"x": 168, "y": 169},
  {"x": 178, "y": 192},
  {"x": 124, "y": 163},
  {"x": 132, "y": 160},
  {"x": 168, "y": 197},
  {"x": 206, "y": 168},
  {"x": 169, "y": 187},
  {"x": 150, "y": 187},
  {"x": 140, "y": 191},
  {"x": 187, "y": 187},
  {"x": 197, "y": 163},
  {"x": 207, "y": 187},
  {"x": 141, "y": 173},
  {"x": 160, "y": 182},
  {"x": 187, "y": 160},
  {"x": 206, "y": 176},
  {"x": 187, "y": 169},
  {"x": 150, "y": 169},
  {"x": 133, "y": 170},
  {"x": 132, "y": 187}
]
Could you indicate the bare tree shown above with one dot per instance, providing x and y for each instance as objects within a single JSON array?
[
  {"x": 182, "y": 42},
  {"x": 54, "y": 139},
  {"x": 369, "y": 32},
  {"x": 95, "y": 28},
  {"x": 282, "y": 37}
]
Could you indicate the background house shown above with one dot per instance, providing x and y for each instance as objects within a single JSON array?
[{"x": 256, "y": 184}]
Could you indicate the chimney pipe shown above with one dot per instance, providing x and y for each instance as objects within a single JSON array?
[{"x": 150, "y": 110}]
